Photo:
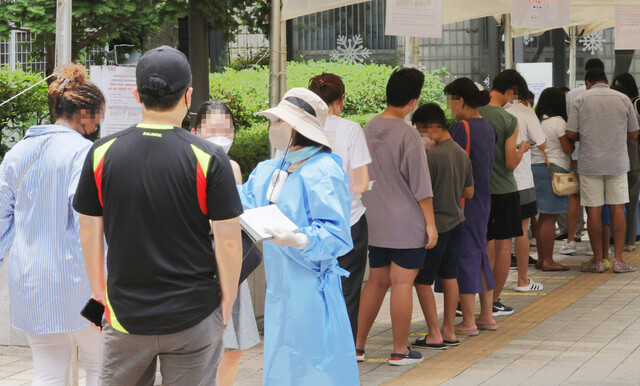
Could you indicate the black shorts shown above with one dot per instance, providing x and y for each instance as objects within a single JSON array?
[
  {"x": 406, "y": 258},
  {"x": 442, "y": 261},
  {"x": 505, "y": 220}
]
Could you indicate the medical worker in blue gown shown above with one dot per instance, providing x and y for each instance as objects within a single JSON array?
[{"x": 307, "y": 335}]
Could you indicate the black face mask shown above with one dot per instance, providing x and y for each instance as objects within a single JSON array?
[{"x": 93, "y": 136}]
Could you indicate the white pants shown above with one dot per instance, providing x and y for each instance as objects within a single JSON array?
[{"x": 52, "y": 356}]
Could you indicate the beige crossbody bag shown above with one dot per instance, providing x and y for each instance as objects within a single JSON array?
[{"x": 564, "y": 184}]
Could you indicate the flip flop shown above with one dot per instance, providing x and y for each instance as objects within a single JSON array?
[
  {"x": 556, "y": 269},
  {"x": 451, "y": 342},
  {"x": 487, "y": 327},
  {"x": 422, "y": 343},
  {"x": 459, "y": 331}
]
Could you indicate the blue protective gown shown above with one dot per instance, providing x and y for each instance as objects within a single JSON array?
[{"x": 307, "y": 335}]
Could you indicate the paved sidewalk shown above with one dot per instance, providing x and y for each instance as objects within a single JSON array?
[{"x": 581, "y": 329}]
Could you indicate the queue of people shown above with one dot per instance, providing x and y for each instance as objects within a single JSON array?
[{"x": 428, "y": 205}]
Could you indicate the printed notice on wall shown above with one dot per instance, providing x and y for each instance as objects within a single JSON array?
[
  {"x": 539, "y": 76},
  {"x": 422, "y": 18},
  {"x": 117, "y": 84},
  {"x": 627, "y": 28},
  {"x": 540, "y": 13}
]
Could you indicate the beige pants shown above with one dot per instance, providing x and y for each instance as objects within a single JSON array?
[{"x": 599, "y": 190}]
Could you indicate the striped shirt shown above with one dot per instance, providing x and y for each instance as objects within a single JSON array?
[{"x": 39, "y": 230}]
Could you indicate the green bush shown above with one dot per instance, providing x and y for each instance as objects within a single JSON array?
[
  {"x": 28, "y": 109},
  {"x": 246, "y": 92}
]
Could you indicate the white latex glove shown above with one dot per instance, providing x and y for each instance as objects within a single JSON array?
[{"x": 285, "y": 238}]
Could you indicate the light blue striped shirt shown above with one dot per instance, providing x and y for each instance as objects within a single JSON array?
[{"x": 39, "y": 230}]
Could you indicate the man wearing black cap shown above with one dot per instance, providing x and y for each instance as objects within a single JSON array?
[{"x": 153, "y": 188}]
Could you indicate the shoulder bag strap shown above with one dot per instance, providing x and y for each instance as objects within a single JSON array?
[{"x": 544, "y": 155}]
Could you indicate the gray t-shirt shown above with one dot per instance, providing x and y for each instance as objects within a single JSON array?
[
  {"x": 451, "y": 172},
  {"x": 602, "y": 117},
  {"x": 401, "y": 174}
]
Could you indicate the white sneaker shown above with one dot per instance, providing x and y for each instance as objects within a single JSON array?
[{"x": 567, "y": 248}]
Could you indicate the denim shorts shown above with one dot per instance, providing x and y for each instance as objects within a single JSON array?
[{"x": 547, "y": 201}]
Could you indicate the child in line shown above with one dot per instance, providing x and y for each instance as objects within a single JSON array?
[{"x": 451, "y": 179}]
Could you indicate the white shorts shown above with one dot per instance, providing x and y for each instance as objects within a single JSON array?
[{"x": 600, "y": 190}]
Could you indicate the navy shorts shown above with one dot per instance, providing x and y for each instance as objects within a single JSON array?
[
  {"x": 442, "y": 260},
  {"x": 405, "y": 258}
]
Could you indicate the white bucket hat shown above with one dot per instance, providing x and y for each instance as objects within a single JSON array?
[{"x": 305, "y": 111}]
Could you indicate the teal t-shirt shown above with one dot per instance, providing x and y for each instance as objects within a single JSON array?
[{"x": 502, "y": 179}]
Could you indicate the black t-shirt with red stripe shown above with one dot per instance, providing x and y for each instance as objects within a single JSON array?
[{"x": 157, "y": 187}]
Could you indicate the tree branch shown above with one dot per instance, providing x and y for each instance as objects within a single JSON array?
[{"x": 84, "y": 43}]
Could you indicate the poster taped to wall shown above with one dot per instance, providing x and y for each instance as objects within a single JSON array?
[
  {"x": 421, "y": 18},
  {"x": 117, "y": 84},
  {"x": 539, "y": 76},
  {"x": 540, "y": 13}
]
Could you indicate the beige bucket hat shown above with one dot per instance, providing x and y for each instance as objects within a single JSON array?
[{"x": 305, "y": 111}]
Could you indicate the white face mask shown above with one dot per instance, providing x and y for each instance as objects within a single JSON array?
[
  {"x": 280, "y": 135},
  {"x": 223, "y": 142}
]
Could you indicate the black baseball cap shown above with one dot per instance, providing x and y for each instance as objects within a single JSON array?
[{"x": 163, "y": 71}]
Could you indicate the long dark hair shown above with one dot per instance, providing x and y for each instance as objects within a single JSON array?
[
  {"x": 552, "y": 103},
  {"x": 627, "y": 81}
]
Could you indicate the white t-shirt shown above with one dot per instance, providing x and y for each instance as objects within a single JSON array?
[
  {"x": 554, "y": 128},
  {"x": 528, "y": 130},
  {"x": 348, "y": 142}
]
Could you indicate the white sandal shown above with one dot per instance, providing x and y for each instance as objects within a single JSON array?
[{"x": 533, "y": 286}]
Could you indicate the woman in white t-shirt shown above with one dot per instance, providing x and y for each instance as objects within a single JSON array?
[
  {"x": 552, "y": 112},
  {"x": 348, "y": 142}
]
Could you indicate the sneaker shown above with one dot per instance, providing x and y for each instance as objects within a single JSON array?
[
  {"x": 620, "y": 267},
  {"x": 607, "y": 263},
  {"x": 359, "y": 355},
  {"x": 500, "y": 309},
  {"x": 405, "y": 359},
  {"x": 459, "y": 310},
  {"x": 593, "y": 267},
  {"x": 568, "y": 247}
]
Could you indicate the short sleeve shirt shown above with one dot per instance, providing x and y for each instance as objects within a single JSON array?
[
  {"x": 451, "y": 172},
  {"x": 502, "y": 179},
  {"x": 348, "y": 142},
  {"x": 157, "y": 187},
  {"x": 528, "y": 130},
  {"x": 602, "y": 117},
  {"x": 401, "y": 174},
  {"x": 554, "y": 128}
]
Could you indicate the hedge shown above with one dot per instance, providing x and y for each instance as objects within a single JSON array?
[{"x": 245, "y": 91}]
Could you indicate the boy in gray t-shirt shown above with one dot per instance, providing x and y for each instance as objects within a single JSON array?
[{"x": 451, "y": 179}]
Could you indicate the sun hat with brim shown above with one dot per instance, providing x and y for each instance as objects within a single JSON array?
[{"x": 305, "y": 111}]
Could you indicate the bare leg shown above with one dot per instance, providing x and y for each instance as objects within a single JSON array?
[
  {"x": 486, "y": 304},
  {"x": 467, "y": 305},
  {"x": 546, "y": 237},
  {"x": 618, "y": 222},
  {"x": 371, "y": 301},
  {"x": 428, "y": 305},
  {"x": 594, "y": 226},
  {"x": 522, "y": 254},
  {"x": 573, "y": 215},
  {"x": 451, "y": 297},
  {"x": 229, "y": 367},
  {"x": 501, "y": 266},
  {"x": 401, "y": 305}
]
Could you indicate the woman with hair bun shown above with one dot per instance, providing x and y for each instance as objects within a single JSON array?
[
  {"x": 474, "y": 275},
  {"x": 39, "y": 231},
  {"x": 348, "y": 142}
]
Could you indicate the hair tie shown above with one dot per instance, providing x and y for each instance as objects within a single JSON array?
[{"x": 64, "y": 83}]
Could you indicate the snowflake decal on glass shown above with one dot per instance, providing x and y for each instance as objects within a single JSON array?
[
  {"x": 527, "y": 39},
  {"x": 593, "y": 42},
  {"x": 350, "y": 50},
  {"x": 487, "y": 81}
]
